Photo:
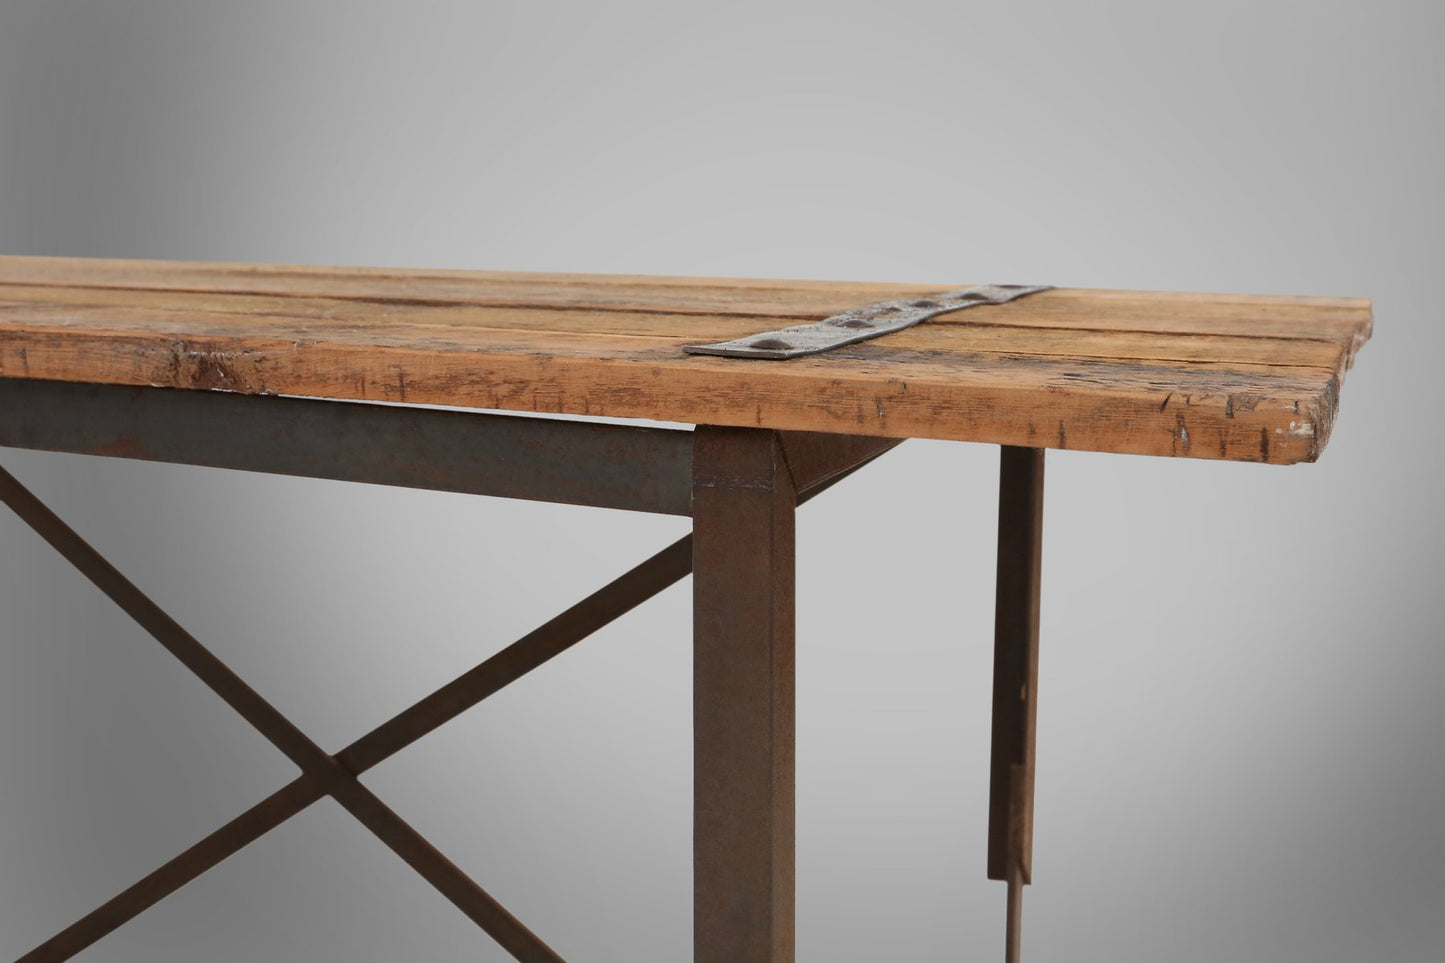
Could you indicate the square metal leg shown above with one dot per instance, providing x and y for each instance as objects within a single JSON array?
[
  {"x": 1015, "y": 680},
  {"x": 743, "y": 694}
]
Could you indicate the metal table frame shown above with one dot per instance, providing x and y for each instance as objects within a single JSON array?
[{"x": 739, "y": 485}]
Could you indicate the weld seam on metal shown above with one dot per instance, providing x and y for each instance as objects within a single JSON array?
[{"x": 860, "y": 324}]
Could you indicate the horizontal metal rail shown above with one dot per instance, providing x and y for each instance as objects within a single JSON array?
[{"x": 511, "y": 456}]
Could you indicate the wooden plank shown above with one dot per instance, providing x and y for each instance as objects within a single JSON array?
[
  {"x": 1343, "y": 320},
  {"x": 1104, "y": 345},
  {"x": 1070, "y": 310},
  {"x": 793, "y": 299},
  {"x": 1253, "y": 378},
  {"x": 1270, "y": 414},
  {"x": 322, "y": 318},
  {"x": 239, "y": 315},
  {"x": 406, "y": 288}
]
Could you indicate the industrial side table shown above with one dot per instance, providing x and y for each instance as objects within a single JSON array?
[{"x": 791, "y": 386}]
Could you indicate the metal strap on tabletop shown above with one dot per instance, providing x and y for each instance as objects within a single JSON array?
[{"x": 860, "y": 324}]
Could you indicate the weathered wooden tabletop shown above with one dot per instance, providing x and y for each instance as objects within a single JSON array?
[{"x": 1244, "y": 377}]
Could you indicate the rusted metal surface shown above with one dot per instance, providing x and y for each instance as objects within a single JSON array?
[
  {"x": 1015, "y": 678},
  {"x": 821, "y": 462},
  {"x": 510, "y": 456},
  {"x": 401, "y": 838},
  {"x": 743, "y": 698},
  {"x": 155, "y": 886},
  {"x": 1016, "y": 655},
  {"x": 860, "y": 324},
  {"x": 642, "y": 582},
  {"x": 479, "y": 906},
  {"x": 815, "y": 456}
]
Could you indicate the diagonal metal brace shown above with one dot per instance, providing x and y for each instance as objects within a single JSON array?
[
  {"x": 818, "y": 462},
  {"x": 328, "y": 773}
]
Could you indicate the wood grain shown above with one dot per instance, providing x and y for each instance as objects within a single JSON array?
[{"x": 1243, "y": 377}]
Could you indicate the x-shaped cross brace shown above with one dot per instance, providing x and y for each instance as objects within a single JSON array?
[{"x": 336, "y": 775}]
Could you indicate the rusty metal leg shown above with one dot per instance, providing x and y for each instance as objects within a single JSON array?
[
  {"x": 1015, "y": 679},
  {"x": 743, "y": 580}
]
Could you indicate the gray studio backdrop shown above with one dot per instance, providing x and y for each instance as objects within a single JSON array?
[{"x": 1239, "y": 753}]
